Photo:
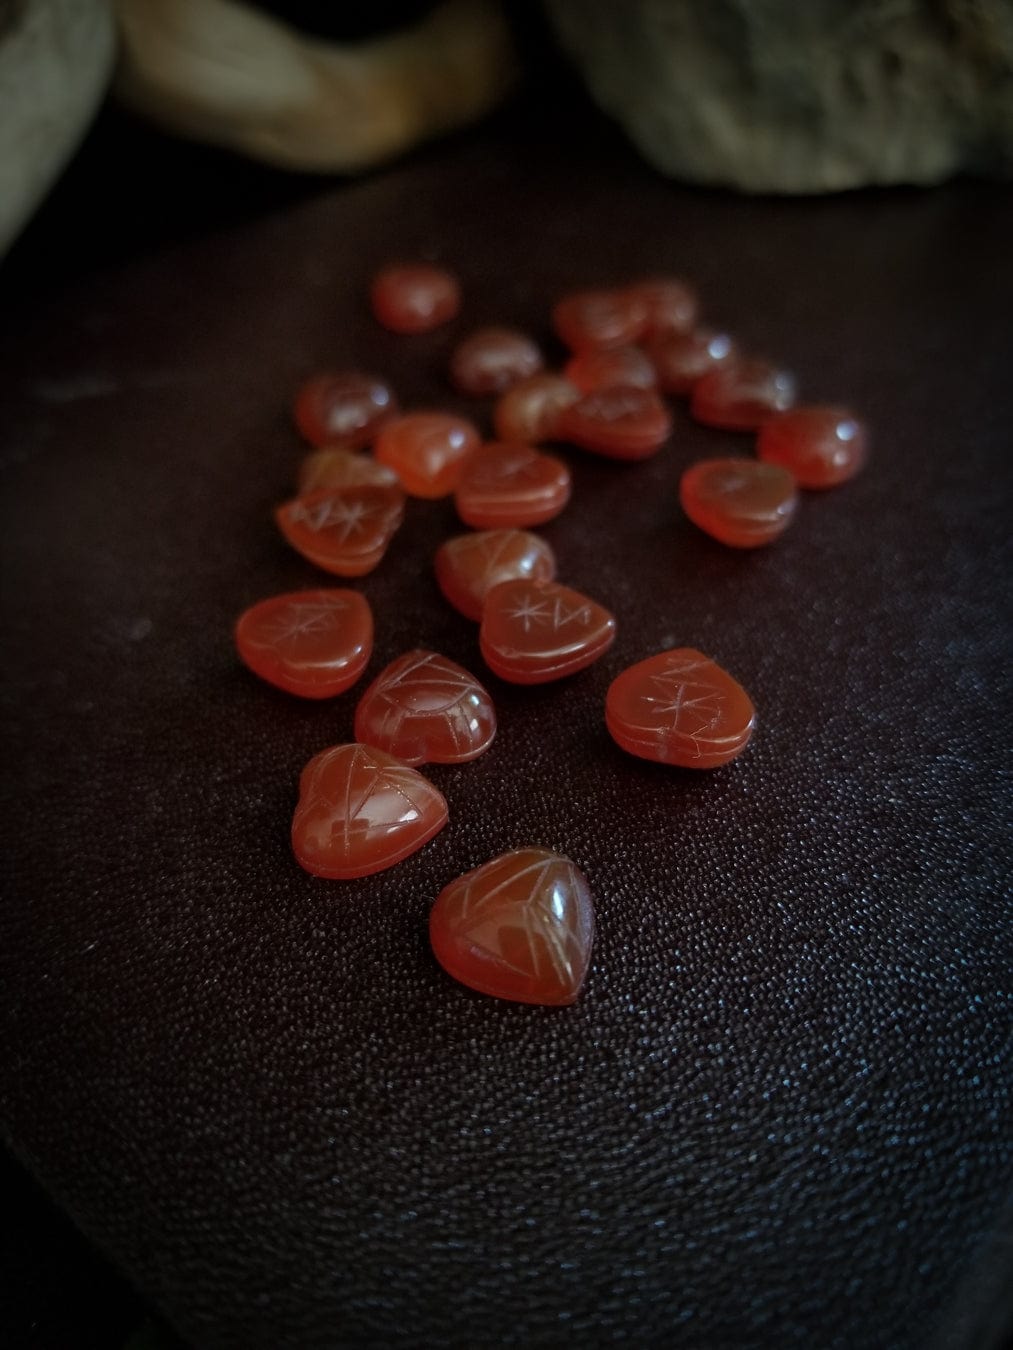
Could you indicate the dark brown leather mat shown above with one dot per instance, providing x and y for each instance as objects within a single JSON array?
[{"x": 779, "y": 1113}]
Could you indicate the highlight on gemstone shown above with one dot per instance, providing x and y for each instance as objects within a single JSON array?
[
  {"x": 519, "y": 927},
  {"x": 361, "y": 811},
  {"x": 414, "y": 297},
  {"x": 493, "y": 360},
  {"x": 312, "y": 643},
  {"x": 741, "y": 395},
  {"x": 424, "y": 708},
  {"x": 679, "y": 707},
  {"x": 344, "y": 407},
  {"x": 529, "y": 411},
  {"x": 820, "y": 446},
  {"x": 427, "y": 450}
]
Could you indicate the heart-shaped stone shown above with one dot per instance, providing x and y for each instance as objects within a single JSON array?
[
  {"x": 520, "y": 927},
  {"x": 511, "y": 485},
  {"x": 535, "y": 631},
  {"x": 469, "y": 565},
  {"x": 343, "y": 530},
  {"x": 423, "y": 708},
  {"x": 361, "y": 811},
  {"x": 679, "y": 707},
  {"x": 620, "y": 422},
  {"x": 741, "y": 395},
  {"x": 312, "y": 643}
]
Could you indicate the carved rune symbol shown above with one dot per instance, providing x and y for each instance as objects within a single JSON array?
[
  {"x": 555, "y": 615},
  {"x": 303, "y": 618}
]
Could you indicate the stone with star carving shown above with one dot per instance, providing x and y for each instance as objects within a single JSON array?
[
  {"x": 536, "y": 631},
  {"x": 343, "y": 530},
  {"x": 312, "y": 643}
]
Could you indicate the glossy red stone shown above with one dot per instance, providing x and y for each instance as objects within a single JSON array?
[
  {"x": 348, "y": 408},
  {"x": 505, "y": 485},
  {"x": 424, "y": 708},
  {"x": 312, "y": 643},
  {"x": 671, "y": 306},
  {"x": 520, "y": 927},
  {"x": 361, "y": 811},
  {"x": 592, "y": 320},
  {"x": 741, "y": 395},
  {"x": 493, "y": 360},
  {"x": 593, "y": 370},
  {"x": 536, "y": 631},
  {"x": 741, "y": 502},
  {"x": 427, "y": 451},
  {"x": 820, "y": 446},
  {"x": 469, "y": 565},
  {"x": 679, "y": 707},
  {"x": 414, "y": 297},
  {"x": 683, "y": 358},
  {"x": 336, "y": 467},
  {"x": 620, "y": 423},
  {"x": 529, "y": 412},
  {"x": 343, "y": 530}
]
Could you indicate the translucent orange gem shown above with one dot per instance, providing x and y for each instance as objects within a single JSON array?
[
  {"x": 312, "y": 643},
  {"x": 520, "y": 928},
  {"x": 820, "y": 446},
  {"x": 671, "y": 306},
  {"x": 591, "y": 320},
  {"x": 529, "y": 412},
  {"x": 349, "y": 408},
  {"x": 741, "y": 395},
  {"x": 469, "y": 565},
  {"x": 596, "y": 369},
  {"x": 492, "y": 360},
  {"x": 361, "y": 811},
  {"x": 414, "y": 297},
  {"x": 343, "y": 530},
  {"x": 536, "y": 631},
  {"x": 683, "y": 358},
  {"x": 511, "y": 485},
  {"x": 425, "y": 708},
  {"x": 741, "y": 502},
  {"x": 620, "y": 423},
  {"x": 336, "y": 467},
  {"x": 427, "y": 451},
  {"x": 679, "y": 707}
]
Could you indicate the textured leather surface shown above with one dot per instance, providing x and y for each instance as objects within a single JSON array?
[{"x": 779, "y": 1115}]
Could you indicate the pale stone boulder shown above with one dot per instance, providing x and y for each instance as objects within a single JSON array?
[
  {"x": 802, "y": 95},
  {"x": 56, "y": 57}
]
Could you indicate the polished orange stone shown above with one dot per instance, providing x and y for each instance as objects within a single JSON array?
[
  {"x": 741, "y": 502},
  {"x": 683, "y": 358},
  {"x": 679, "y": 707},
  {"x": 414, "y": 297},
  {"x": 469, "y": 565},
  {"x": 536, "y": 631},
  {"x": 312, "y": 643},
  {"x": 620, "y": 423},
  {"x": 361, "y": 811},
  {"x": 601, "y": 369},
  {"x": 425, "y": 708},
  {"x": 520, "y": 927},
  {"x": 511, "y": 485},
  {"x": 820, "y": 446},
  {"x": 336, "y": 467},
  {"x": 348, "y": 408},
  {"x": 590, "y": 320},
  {"x": 671, "y": 306},
  {"x": 529, "y": 412},
  {"x": 343, "y": 530},
  {"x": 427, "y": 450},
  {"x": 493, "y": 360},
  {"x": 741, "y": 395}
]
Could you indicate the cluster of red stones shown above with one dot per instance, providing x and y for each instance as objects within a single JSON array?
[{"x": 521, "y": 926}]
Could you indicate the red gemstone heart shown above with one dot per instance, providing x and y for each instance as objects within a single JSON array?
[
  {"x": 424, "y": 707},
  {"x": 621, "y": 422},
  {"x": 535, "y": 631},
  {"x": 361, "y": 811},
  {"x": 343, "y": 530},
  {"x": 519, "y": 928},
  {"x": 469, "y": 565}
]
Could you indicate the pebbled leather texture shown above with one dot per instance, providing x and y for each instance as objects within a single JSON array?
[{"x": 779, "y": 1113}]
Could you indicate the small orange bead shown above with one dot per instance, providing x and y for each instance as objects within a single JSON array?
[
  {"x": 679, "y": 707},
  {"x": 424, "y": 708},
  {"x": 511, "y": 485},
  {"x": 335, "y": 467},
  {"x": 312, "y": 643},
  {"x": 536, "y": 631},
  {"x": 671, "y": 306},
  {"x": 593, "y": 370},
  {"x": 740, "y": 502},
  {"x": 741, "y": 395},
  {"x": 683, "y": 358},
  {"x": 820, "y": 446},
  {"x": 620, "y": 423},
  {"x": 343, "y": 530},
  {"x": 427, "y": 451},
  {"x": 493, "y": 360},
  {"x": 529, "y": 412},
  {"x": 414, "y": 297},
  {"x": 469, "y": 565},
  {"x": 348, "y": 408},
  {"x": 593, "y": 320},
  {"x": 520, "y": 928}
]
